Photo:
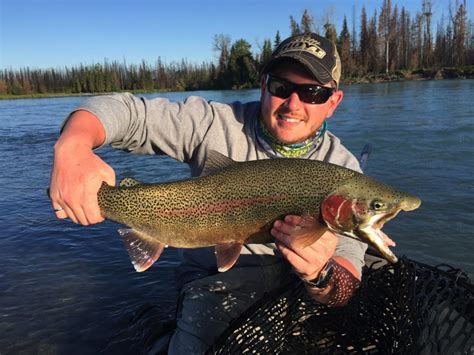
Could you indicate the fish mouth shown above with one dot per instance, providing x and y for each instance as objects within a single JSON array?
[{"x": 371, "y": 232}]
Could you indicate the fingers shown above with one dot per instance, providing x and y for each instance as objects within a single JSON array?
[
  {"x": 282, "y": 229},
  {"x": 290, "y": 226},
  {"x": 293, "y": 220},
  {"x": 59, "y": 211},
  {"x": 293, "y": 258},
  {"x": 75, "y": 184},
  {"x": 324, "y": 246},
  {"x": 70, "y": 214},
  {"x": 297, "y": 231},
  {"x": 81, "y": 207},
  {"x": 306, "y": 261},
  {"x": 62, "y": 208}
]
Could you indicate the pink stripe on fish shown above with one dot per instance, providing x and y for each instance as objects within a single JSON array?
[{"x": 219, "y": 207}]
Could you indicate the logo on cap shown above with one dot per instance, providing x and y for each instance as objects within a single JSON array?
[{"x": 305, "y": 44}]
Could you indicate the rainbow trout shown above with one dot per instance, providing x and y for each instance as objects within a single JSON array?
[{"x": 236, "y": 203}]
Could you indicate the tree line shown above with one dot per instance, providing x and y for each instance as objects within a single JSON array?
[{"x": 388, "y": 42}]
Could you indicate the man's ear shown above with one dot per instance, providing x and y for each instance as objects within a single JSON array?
[{"x": 334, "y": 101}]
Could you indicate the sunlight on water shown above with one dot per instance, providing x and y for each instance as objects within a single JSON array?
[{"x": 72, "y": 289}]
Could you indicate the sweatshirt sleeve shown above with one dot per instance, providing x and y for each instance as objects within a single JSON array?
[{"x": 154, "y": 126}]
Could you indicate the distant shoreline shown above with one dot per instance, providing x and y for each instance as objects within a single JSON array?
[{"x": 403, "y": 75}]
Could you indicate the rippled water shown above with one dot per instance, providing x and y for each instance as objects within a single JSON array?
[{"x": 69, "y": 289}]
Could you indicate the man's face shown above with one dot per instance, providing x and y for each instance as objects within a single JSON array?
[{"x": 291, "y": 120}]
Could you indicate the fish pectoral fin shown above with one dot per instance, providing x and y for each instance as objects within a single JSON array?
[
  {"x": 142, "y": 249},
  {"x": 308, "y": 231},
  {"x": 227, "y": 255}
]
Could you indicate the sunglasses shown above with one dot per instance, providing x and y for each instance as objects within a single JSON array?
[{"x": 310, "y": 94}]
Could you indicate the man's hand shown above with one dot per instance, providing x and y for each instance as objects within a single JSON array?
[
  {"x": 78, "y": 172},
  {"x": 307, "y": 261}
]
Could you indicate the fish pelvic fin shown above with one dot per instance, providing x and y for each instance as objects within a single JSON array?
[
  {"x": 227, "y": 255},
  {"x": 129, "y": 182},
  {"x": 142, "y": 249},
  {"x": 215, "y": 162}
]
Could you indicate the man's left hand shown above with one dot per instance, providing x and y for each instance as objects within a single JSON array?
[{"x": 292, "y": 238}]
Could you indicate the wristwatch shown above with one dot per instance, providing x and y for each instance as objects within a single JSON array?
[{"x": 324, "y": 276}]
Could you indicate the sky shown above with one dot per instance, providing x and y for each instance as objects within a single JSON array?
[{"x": 44, "y": 34}]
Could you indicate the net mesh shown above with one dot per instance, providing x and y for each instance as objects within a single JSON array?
[{"x": 405, "y": 308}]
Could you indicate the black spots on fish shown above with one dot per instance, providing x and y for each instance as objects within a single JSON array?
[
  {"x": 241, "y": 201},
  {"x": 242, "y": 194}
]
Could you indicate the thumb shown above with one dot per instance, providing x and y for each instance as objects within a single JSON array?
[{"x": 109, "y": 176}]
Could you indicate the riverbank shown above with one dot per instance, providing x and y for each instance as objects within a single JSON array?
[
  {"x": 70, "y": 94},
  {"x": 419, "y": 74},
  {"x": 401, "y": 75}
]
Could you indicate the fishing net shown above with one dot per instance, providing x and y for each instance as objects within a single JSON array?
[{"x": 405, "y": 308}]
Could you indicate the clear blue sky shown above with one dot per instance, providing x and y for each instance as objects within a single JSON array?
[{"x": 58, "y": 33}]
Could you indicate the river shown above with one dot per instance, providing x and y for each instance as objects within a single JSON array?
[{"x": 69, "y": 289}]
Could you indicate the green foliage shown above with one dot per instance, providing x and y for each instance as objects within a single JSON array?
[
  {"x": 393, "y": 42},
  {"x": 277, "y": 40},
  {"x": 294, "y": 26},
  {"x": 330, "y": 31},
  {"x": 242, "y": 65},
  {"x": 307, "y": 22},
  {"x": 344, "y": 49},
  {"x": 222, "y": 45},
  {"x": 266, "y": 53}
]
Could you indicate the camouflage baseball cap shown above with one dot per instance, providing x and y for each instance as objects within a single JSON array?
[{"x": 317, "y": 54}]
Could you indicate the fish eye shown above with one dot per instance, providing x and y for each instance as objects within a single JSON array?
[{"x": 377, "y": 205}]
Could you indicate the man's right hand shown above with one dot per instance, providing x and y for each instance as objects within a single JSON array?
[{"x": 78, "y": 172}]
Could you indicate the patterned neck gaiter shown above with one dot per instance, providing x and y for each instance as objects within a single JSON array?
[{"x": 288, "y": 150}]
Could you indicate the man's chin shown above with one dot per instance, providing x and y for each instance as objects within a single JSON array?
[
  {"x": 290, "y": 141},
  {"x": 286, "y": 137}
]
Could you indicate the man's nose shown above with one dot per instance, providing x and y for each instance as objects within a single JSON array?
[{"x": 293, "y": 101}]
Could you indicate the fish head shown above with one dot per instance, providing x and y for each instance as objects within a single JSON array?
[{"x": 361, "y": 206}]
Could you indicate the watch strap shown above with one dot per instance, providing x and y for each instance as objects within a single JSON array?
[{"x": 324, "y": 276}]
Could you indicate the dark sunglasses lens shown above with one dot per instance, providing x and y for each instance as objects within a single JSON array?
[
  {"x": 315, "y": 95},
  {"x": 279, "y": 88},
  {"x": 308, "y": 94}
]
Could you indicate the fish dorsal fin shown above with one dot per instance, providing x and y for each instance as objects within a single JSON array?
[
  {"x": 142, "y": 249},
  {"x": 215, "y": 162},
  {"x": 129, "y": 182},
  {"x": 227, "y": 255}
]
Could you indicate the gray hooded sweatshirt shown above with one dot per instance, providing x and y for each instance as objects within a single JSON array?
[{"x": 186, "y": 131}]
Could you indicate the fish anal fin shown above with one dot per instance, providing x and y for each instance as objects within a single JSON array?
[
  {"x": 129, "y": 182},
  {"x": 227, "y": 255},
  {"x": 215, "y": 162},
  {"x": 308, "y": 231},
  {"x": 142, "y": 249}
]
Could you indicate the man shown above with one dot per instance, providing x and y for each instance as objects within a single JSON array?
[{"x": 299, "y": 92}]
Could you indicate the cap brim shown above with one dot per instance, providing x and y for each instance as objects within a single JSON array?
[{"x": 316, "y": 69}]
